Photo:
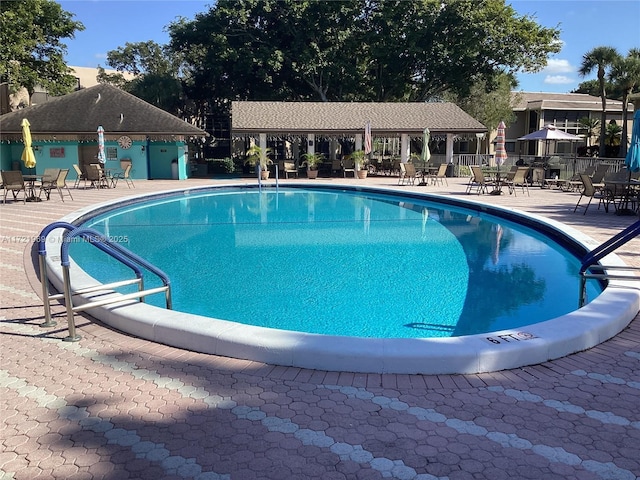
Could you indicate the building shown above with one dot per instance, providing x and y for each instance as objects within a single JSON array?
[
  {"x": 64, "y": 132},
  {"x": 534, "y": 110}
]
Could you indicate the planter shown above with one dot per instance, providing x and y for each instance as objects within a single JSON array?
[
  {"x": 264, "y": 174},
  {"x": 312, "y": 174},
  {"x": 362, "y": 174}
]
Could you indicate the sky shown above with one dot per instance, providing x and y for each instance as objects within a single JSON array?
[{"x": 584, "y": 25}]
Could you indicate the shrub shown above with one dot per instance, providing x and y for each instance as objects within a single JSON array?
[{"x": 222, "y": 165}]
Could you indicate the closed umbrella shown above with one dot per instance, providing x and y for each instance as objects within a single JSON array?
[
  {"x": 28, "y": 157},
  {"x": 426, "y": 138},
  {"x": 632, "y": 160},
  {"x": 101, "y": 157},
  {"x": 425, "y": 155},
  {"x": 501, "y": 154},
  {"x": 368, "y": 147},
  {"x": 501, "y": 151}
]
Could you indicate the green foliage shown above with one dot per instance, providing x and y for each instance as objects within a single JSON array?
[
  {"x": 489, "y": 104},
  {"x": 313, "y": 160},
  {"x": 600, "y": 59},
  {"x": 222, "y": 165},
  {"x": 625, "y": 75},
  {"x": 143, "y": 57},
  {"x": 31, "y": 50},
  {"x": 357, "y": 50},
  {"x": 591, "y": 126},
  {"x": 257, "y": 155},
  {"x": 359, "y": 158}
]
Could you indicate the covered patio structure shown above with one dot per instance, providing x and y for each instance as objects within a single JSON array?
[{"x": 304, "y": 124}]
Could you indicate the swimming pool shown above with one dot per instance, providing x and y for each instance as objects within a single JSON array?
[
  {"x": 412, "y": 222},
  {"x": 336, "y": 262}
]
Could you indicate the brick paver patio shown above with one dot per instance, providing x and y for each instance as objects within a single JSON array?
[{"x": 116, "y": 407}]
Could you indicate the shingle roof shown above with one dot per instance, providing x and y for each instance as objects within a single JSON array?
[
  {"x": 79, "y": 113},
  {"x": 562, "y": 101},
  {"x": 347, "y": 117}
]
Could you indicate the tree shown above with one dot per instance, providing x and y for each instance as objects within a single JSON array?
[
  {"x": 625, "y": 74},
  {"x": 613, "y": 133},
  {"x": 156, "y": 76},
  {"x": 490, "y": 107},
  {"x": 591, "y": 125},
  {"x": 600, "y": 58},
  {"x": 31, "y": 50},
  {"x": 356, "y": 50},
  {"x": 592, "y": 87}
]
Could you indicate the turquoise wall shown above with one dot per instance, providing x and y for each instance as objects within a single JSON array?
[
  {"x": 149, "y": 160},
  {"x": 48, "y": 155},
  {"x": 160, "y": 156}
]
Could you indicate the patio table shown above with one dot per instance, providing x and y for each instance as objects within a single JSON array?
[
  {"x": 627, "y": 189},
  {"x": 494, "y": 174},
  {"x": 30, "y": 187}
]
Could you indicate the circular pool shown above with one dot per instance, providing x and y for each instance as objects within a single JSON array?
[{"x": 407, "y": 279}]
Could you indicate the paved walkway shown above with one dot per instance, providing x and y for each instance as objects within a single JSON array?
[{"x": 112, "y": 407}]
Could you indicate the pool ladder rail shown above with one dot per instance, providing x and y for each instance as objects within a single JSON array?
[
  {"x": 118, "y": 252},
  {"x": 592, "y": 269}
]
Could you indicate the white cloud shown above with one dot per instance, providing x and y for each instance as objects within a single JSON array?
[
  {"x": 558, "y": 79},
  {"x": 558, "y": 66}
]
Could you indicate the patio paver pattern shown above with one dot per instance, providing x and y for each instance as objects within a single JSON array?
[{"x": 116, "y": 407}]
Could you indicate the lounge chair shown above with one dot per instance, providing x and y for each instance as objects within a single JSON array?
[
  {"x": 440, "y": 175},
  {"x": 408, "y": 174},
  {"x": 125, "y": 175},
  {"x": 95, "y": 176},
  {"x": 288, "y": 168},
  {"x": 575, "y": 183},
  {"x": 598, "y": 176},
  {"x": 80, "y": 176},
  {"x": 592, "y": 192},
  {"x": 59, "y": 184},
  {"x": 49, "y": 177},
  {"x": 478, "y": 181},
  {"x": 348, "y": 165},
  {"x": 519, "y": 180},
  {"x": 13, "y": 181}
]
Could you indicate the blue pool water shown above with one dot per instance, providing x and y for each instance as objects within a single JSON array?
[{"x": 342, "y": 263}]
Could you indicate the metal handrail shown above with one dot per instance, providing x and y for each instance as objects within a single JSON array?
[
  {"x": 591, "y": 259},
  {"x": 42, "y": 255},
  {"x": 116, "y": 251}
]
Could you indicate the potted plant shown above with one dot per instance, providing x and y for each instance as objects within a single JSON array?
[
  {"x": 313, "y": 161},
  {"x": 259, "y": 156},
  {"x": 360, "y": 161}
]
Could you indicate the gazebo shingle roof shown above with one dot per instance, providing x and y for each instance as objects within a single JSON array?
[
  {"x": 350, "y": 117},
  {"x": 81, "y": 112}
]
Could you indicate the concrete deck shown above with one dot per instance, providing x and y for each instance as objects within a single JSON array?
[{"x": 116, "y": 407}]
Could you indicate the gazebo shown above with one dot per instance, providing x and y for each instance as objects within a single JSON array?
[{"x": 306, "y": 122}]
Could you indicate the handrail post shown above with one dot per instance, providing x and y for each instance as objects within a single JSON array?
[
  {"x": 73, "y": 336},
  {"x": 44, "y": 282},
  {"x": 583, "y": 291},
  {"x": 141, "y": 288},
  {"x": 259, "y": 173}
]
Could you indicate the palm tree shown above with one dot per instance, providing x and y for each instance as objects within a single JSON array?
[
  {"x": 625, "y": 74},
  {"x": 612, "y": 134},
  {"x": 600, "y": 58},
  {"x": 590, "y": 125}
]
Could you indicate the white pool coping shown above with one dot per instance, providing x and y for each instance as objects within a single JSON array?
[{"x": 599, "y": 320}]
